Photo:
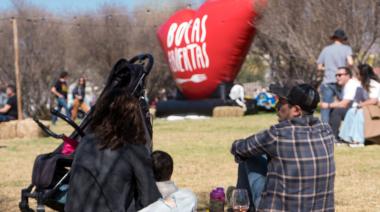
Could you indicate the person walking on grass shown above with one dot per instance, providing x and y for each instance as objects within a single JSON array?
[
  {"x": 79, "y": 94},
  {"x": 290, "y": 166},
  {"x": 60, "y": 90}
]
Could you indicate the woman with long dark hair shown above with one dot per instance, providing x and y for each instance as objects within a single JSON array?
[
  {"x": 353, "y": 126},
  {"x": 370, "y": 83},
  {"x": 79, "y": 94},
  {"x": 112, "y": 165}
]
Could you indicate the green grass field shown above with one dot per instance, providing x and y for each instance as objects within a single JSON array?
[{"x": 202, "y": 161}]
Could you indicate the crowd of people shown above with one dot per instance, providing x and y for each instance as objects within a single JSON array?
[
  {"x": 60, "y": 90},
  {"x": 288, "y": 167},
  {"x": 345, "y": 90}
]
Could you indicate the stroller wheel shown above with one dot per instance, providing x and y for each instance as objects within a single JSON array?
[{"x": 24, "y": 207}]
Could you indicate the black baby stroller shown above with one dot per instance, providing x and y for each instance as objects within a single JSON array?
[{"x": 51, "y": 171}]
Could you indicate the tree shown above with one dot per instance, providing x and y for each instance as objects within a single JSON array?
[
  {"x": 294, "y": 32},
  {"x": 254, "y": 69},
  {"x": 289, "y": 37},
  {"x": 41, "y": 52}
]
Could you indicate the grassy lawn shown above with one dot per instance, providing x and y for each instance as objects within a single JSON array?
[{"x": 202, "y": 161}]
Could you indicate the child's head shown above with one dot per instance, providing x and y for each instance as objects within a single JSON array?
[{"x": 162, "y": 166}]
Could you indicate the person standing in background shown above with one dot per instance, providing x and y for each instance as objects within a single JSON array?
[
  {"x": 79, "y": 94},
  {"x": 60, "y": 90},
  {"x": 330, "y": 59}
]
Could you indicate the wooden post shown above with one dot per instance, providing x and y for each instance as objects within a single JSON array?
[{"x": 17, "y": 69}]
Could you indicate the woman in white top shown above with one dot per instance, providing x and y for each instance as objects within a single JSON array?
[{"x": 368, "y": 94}]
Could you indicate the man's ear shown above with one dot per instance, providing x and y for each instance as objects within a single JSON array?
[{"x": 296, "y": 111}]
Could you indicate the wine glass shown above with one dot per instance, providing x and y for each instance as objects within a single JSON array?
[{"x": 240, "y": 200}]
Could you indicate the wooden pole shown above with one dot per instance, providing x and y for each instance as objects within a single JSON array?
[{"x": 17, "y": 69}]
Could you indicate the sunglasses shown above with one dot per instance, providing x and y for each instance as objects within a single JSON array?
[
  {"x": 281, "y": 102},
  {"x": 339, "y": 75}
]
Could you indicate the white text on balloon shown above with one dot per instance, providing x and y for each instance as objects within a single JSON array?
[{"x": 193, "y": 54}]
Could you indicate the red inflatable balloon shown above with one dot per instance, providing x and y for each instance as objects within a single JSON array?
[{"x": 207, "y": 47}]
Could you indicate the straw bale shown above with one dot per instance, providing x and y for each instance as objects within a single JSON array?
[
  {"x": 29, "y": 129},
  {"x": 228, "y": 111},
  {"x": 8, "y": 129}
]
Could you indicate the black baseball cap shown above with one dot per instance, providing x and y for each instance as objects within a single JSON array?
[
  {"x": 303, "y": 95},
  {"x": 339, "y": 34}
]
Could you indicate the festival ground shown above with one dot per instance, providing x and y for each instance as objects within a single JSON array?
[{"x": 202, "y": 161}]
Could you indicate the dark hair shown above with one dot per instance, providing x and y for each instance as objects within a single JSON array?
[
  {"x": 366, "y": 74},
  {"x": 348, "y": 70},
  {"x": 12, "y": 87},
  {"x": 117, "y": 120},
  {"x": 84, "y": 82},
  {"x": 339, "y": 35},
  {"x": 63, "y": 74},
  {"x": 162, "y": 165}
]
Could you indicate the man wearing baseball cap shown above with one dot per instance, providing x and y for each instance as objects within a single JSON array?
[
  {"x": 299, "y": 169},
  {"x": 333, "y": 56}
]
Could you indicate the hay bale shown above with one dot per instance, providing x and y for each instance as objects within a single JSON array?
[
  {"x": 8, "y": 129},
  {"x": 228, "y": 111},
  {"x": 29, "y": 129}
]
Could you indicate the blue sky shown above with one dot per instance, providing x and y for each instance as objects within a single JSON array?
[
  {"x": 62, "y": 6},
  {"x": 72, "y": 5}
]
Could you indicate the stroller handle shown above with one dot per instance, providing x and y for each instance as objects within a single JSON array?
[
  {"x": 112, "y": 82},
  {"x": 47, "y": 130},
  {"x": 146, "y": 70},
  {"x": 68, "y": 120},
  {"x": 142, "y": 58}
]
